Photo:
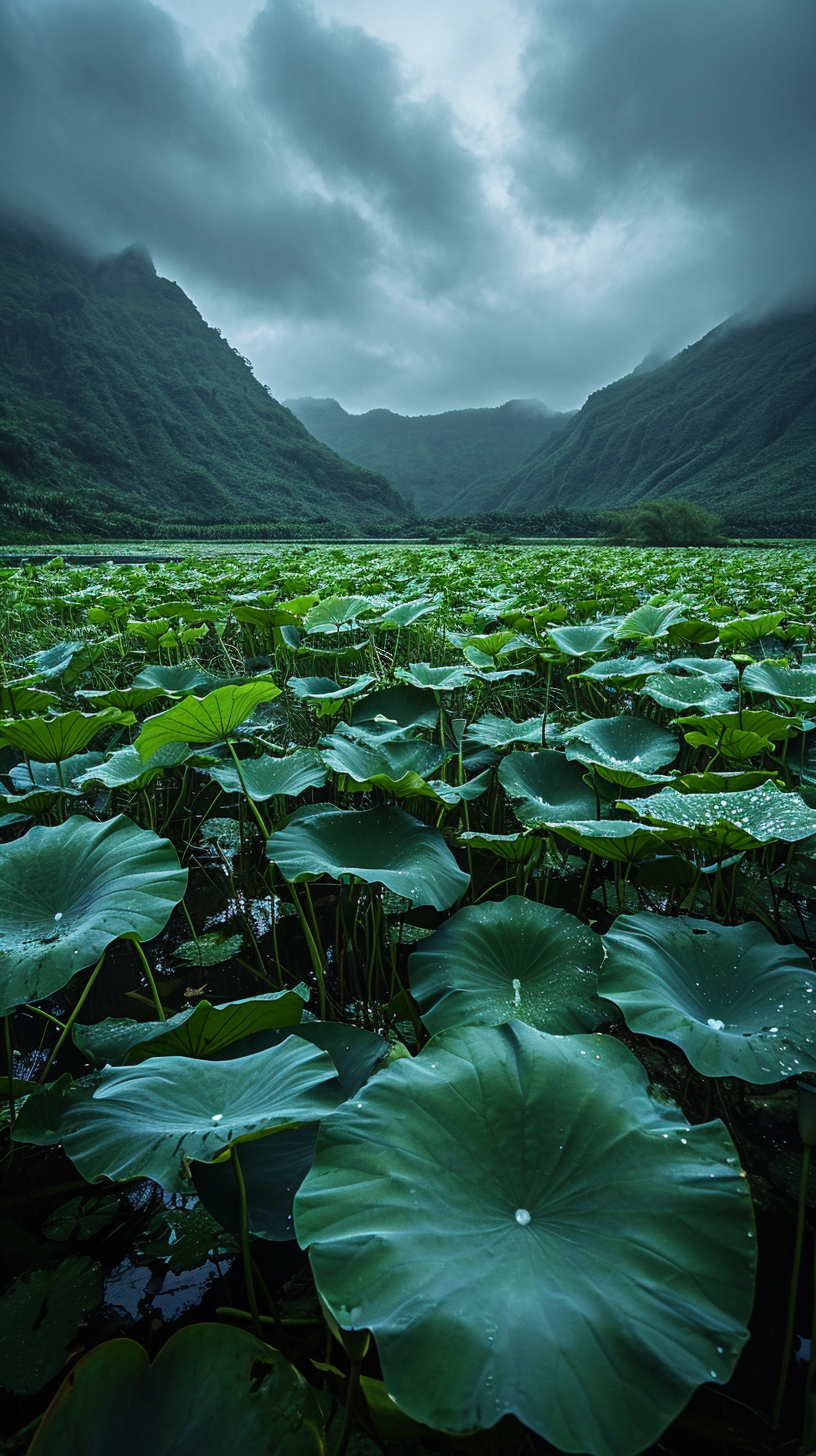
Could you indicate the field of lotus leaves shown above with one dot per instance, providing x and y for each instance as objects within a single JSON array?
[{"x": 409, "y": 1006}]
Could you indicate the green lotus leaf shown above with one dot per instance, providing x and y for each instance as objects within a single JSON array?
[
  {"x": 39, "y": 1317},
  {"x": 152, "y": 1120},
  {"x": 490, "y": 731},
  {"x": 438, "y": 679},
  {"x": 404, "y": 614},
  {"x": 52, "y": 739},
  {"x": 337, "y": 614},
  {"x": 197, "y": 1032},
  {"x": 20, "y": 697},
  {"x": 384, "y": 765},
  {"x": 514, "y": 848},
  {"x": 487, "y": 675},
  {"x": 68, "y": 891},
  {"x": 738, "y": 1004},
  {"x": 267, "y": 777},
  {"x": 614, "y": 839},
  {"x": 586, "y": 641},
  {"x": 66, "y": 660},
  {"x": 778, "y": 680},
  {"x": 509, "y": 960},
  {"x": 444, "y": 793},
  {"x": 548, "y": 787},
  {"x": 380, "y": 846},
  {"x": 127, "y": 769},
  {"x": 212, "y": 948},
  {"x": 710, "y": 782},
  {"x": 746, "y": 817},
  {"x": 649, "y": 621},
  {"x": 325, "y": 692},
  {"x": 403, "y": 706},
  {"x": 176, "y": 680},
  {"x": 764, "y": 726},
  {"x": 67, "y": 777},
  {"x": 125, "y": 698},
  {"x": 693, "y": 629},
  {"x": 680, "y": 693},
  {"x": 623, "y": 745},
  {"x": 273, "y": 1168},
  {"x": 502, "y": 1207},
  {"x": 205, "y": 720},
  {"x": 620, "y": 669},
  {"x": 721, "y": 669},
  {"x": 749, "y": 628},
  {"x": 211, "y": 1388}
]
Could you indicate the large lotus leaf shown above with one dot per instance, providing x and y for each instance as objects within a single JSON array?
[
  {"x": 404, "y": 614},
  {"x": 67, "y": 777},
  {"x": 66, "y": 660},
  {"x": 205, "y": 720},
  {"x": 585, "y": 641},
  {"x": 451, "y": 794},
  {"x": 211, "y": 1389},
  {"x": 514, "y": 848},
  {"x": 749, "y": 628},
  {"x": 328, "y": 694},
  {"x": 548, "y": 786},
  {"x": 273, "y": 1168},
  {"x": 738, "y": 1004},
  {"x": 382, "y": 846},
  {"x": 384, "y": 765},
  {"x": 20, "y": 697},
  {"x": 721, "y": 669},
  {"x": 51, "y": 739},
  {"x": 404, "y": 706},
  {"x": 750, "y": 815},
  {"x": 125, "y": 698},
  {"x": 490, "y": 731},
  {"x": 778, "y": 680},
  {"x": 39, "y": 1318},
  {"x": 267, "y": 777},
  {"x": 176, "y": 680},
  {"x": 764, "y": 726},
  {"x": 127, "y": 769},
  {"x": 693, "y": 629},
  {"x": 509, "y": 959},
  {"x": 152, "y": 1120},
  {"x": 438, "y": 679},
  {"x": 614, "y": 839},
  {"x": 619, "y": 669},
  {"x": 337, "y": 614},
  {"x": 649, "y": 621},
  {"x": 679, "y": 693},
  {"x": 198, "y": 1032},
  {"x": 624, "y": 744},
  {"x": 526, "y": 1230},
  {"x": 68, "y": 891}
]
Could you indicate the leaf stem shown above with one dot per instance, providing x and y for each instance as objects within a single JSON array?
[
  {"x": 66, "y": 1030},
  {"x": 243, "y": 1235},
  {"x": 154, "y": 990},
  {"x": 797, "y": 1258}
]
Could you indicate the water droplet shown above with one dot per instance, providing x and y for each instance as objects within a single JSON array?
[
  {"x": 523, "y": 1216},
  {"x": 58, "y": 915},
  {"x": 714, "y": 1024},
  {"x": 516, "y": 992},
  {"x": 217, "y": 1116},
  {"x": 684, "y": 1141}
]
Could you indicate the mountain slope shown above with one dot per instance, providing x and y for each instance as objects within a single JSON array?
[
  {"x": 447, "y": 462},
  {"x": 730, "y": 423},
  {"x": 120, "y": 408}
]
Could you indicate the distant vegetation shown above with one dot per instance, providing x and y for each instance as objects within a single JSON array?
[
  {"x": 121, "y": 411},
  {"x": 730, "y": 423},
  {"x": 454, "y": 462},
  {"x": 664, "y": 523}
]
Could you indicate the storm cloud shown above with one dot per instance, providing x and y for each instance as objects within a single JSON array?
[{"x": 349, "y": 223}]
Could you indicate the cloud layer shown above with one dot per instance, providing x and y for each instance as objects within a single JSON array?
[{"x": 357, "y": 235}]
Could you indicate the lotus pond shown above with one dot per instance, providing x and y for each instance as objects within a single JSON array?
[{"x": 409, "y": 1006}]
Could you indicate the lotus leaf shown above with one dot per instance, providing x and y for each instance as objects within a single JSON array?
[
  {"x": 680, "y": 693},
  {"x": 505, "y": 960},
  {"x": 624, "y": 745},
  {"x": 127, "y": 769},
  {"x": 336, "y": 614},
  {"x": 549, "y": 787},
  {"x": 620, "y": 669},
  {"x": 438, "y": 679},
  {"x": 754, "y": 816},
  {"x": 198, "y": 1032},
  {"x": 502, "y": 1207},
  {"x": 614, "y": 839},
  {"x": 381, "y": 846},
  {"x": 738, "y": 1004},
  {"x": 587, "y": 641},
  {"x": 211, "y": 1389},
  {"x": 328, "y": 694},
  {"x": 70, "y": 890},
  {"x": 176, "y": 680},
  {"x": 384, "y": 765},
  {"x": 721, "y": 669},
  {"x": 451, "y": 794},
  {"x": 39, "y": 1317},
  {"x": 514, "y": 848},
  {"x": 205, "y": 720},
  {"x": 267, "y": 777},
  {"x": 649, "y": 621},
  {"x": 491, "y": 731},
  {"x": 125, "y": 698},
  {"x": 404, "y": 614},
  {"x": 52, "y": 739},
  {"x": 67, "y": 777},
  {"x": 749, "y": 628},
  {"x": 154, "y": 1119},
  {"x": 66, "y": 660},
  {"x": 20, "y": 697},
  {"x": 778, "y": 680},
  {"x": 404, "y": 706}
]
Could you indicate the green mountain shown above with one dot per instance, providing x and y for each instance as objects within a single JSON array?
[
  {"x": 448, "y": 462},
  {"x": 121, "y": 411},
  {"x": 729, "y": 423}
]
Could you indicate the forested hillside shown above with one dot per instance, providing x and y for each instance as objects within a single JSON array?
[
  {"x": 121, "y": 410},
  {"x": 730, "y": 423},
  {"x": 451, "y": 462}
]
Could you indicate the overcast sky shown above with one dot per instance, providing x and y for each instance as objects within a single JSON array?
[{"x": 427, "y": 204}]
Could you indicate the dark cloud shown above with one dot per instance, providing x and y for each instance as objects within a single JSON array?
[{"x": 334, "y": 221}]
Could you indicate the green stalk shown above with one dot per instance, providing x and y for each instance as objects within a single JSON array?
[
  {"x": 66, "y": 1030},
  {"x": 243, "y": 1234},
  {"x": 797, "y": 1259},
  {"x": 150, "y": 981},
  {"x": 10, "y": 1066},
  {"x": 251, "y": 802},
  {"x": 348, "y": 1420},
  {"x": 314, "y": 953}
]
